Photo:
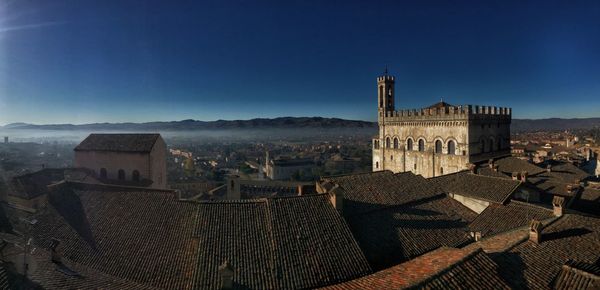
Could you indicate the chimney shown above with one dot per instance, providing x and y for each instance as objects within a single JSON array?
[
  {"x": 491, "y": 163},
  {"x": 495, "y": 168},
  {"x": 557, "y": 204},
  {"x": 55, "y": 257},
  {"x": 336, "y": 196},
  {"x": 226, "y": 275},
  {"x": 549, "y": 168},
  {"x": 476, "y": 236},
  {"x": 516, "y": 176},
  {"x": 473, "y": 168},
  {"x": 524, "y": 175},
  {"x": 535, "y": 231}
]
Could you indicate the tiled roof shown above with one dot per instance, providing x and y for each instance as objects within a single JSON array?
[
  {"x": 45, "y": 274},
  {"x": 444, "y": 268},
  {"x": 508, "y": 165},
  {"x": 118, "y": 142},
  {"x": 492, "y": 189},
  {"x": 289, "y": 243},
  {"x": 497, "y": 218},
  {"x": 144, "y": 237},
  {"x": 534, "y": 266},
  {"x": 589, "y": 201},
  {"x": 371, "y": 191},
  {"x": 566, "y": 172},
  {"x": 34, "y": 184},
  {"x": 578, "y": 275},
  {"x": 395, "y": 234}
]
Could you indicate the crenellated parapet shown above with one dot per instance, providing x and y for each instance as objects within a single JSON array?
[{"x": 450, "y": 113}]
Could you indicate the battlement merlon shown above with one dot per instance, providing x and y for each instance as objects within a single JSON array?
[
  {"x": 385, "y": 78},
  {"x": 464, "y": 112}
]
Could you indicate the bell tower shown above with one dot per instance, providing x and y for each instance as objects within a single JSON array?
[{"x": 385, "y": 92}]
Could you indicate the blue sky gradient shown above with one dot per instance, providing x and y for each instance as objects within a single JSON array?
[{"x": 78, "y": 61}]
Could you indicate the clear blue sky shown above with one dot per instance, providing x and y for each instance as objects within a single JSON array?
[{"x": 83, "y": 61}]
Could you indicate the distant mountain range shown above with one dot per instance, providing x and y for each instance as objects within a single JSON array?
[
  {"x": 518, "y": 125},
  {"x": 283, "y": 122}
]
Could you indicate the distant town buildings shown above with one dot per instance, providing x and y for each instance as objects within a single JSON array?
[
  {"x": 283, "y": 168},
  {"x": 439, "y": 139},
  {"x": 135, "y": 159},
  {"x": 5, "y": 139}
]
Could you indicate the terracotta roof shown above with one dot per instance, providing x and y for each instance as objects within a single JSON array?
[
  {"x": 444, "y": 268},
  {"x": 129, "y": 235},
  {"x": 34, "y": 184},
  {"x": 577, "y": 275},
  {"x": 289, "y": 243},
  {"x": 534, "y": 266},
  {"x": 376, "y": 190},
  {"x": 480, "y": 187},
  {"x": 440, "y": 104},
  {"x": 118, "y": 142},
  {"x": 395, "y": 234},
  {"x": 508, "y": 165},
  {"x": 497, "y": 218}
]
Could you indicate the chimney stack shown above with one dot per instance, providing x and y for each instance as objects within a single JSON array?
[
  {"x": 55, "y": 254},
  {"x": 472, "y": 168},
  {"x": 516, "y": 176},
  {"x": 226, "y": 274},
  {"x": 495, "y": 168},
  {"x": 524, "y": 175},
  {"x": 336, "y": 196},
  {"x": 535, "y": 231},
  {"x": 491, "y": 163},
  {"x": 476, "y": 236},
  {"x": 557, "y": 205}
]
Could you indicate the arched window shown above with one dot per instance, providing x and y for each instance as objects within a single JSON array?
[
  {"x": 451, "y": 147},
  {"x": 395, "y": 143},
  {"x": 121, "y": 174},
  {"x": 103, "y": 173},
  {"x": 381, "y": 96},
  {"x": 438, "y": 146},
  {"x": 387, "y": 142},
  {"x": 376, "y": 144},
  {"x": 409, "y": 144},
  {"x": 392, "y": 157},
  {"x": 377, "y": 165},
  {"x": 441, "y": 170},
  {"x": 421, "y": 145},
  {"x": 135, "y": 175}
]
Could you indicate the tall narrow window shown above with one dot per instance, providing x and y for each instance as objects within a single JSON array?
[
  {"x": 387, "y": 142},
  {"x": 451, "y": 147},
  {"x": 121, "y": 174},
  {"x": 381, "y": 96},
  {"x": 395, "y": 143},
  {"x": 377, "y": 165},
  {"x": 409, "y": 144},
  {"x": 103, "y": 173},
  {"x": 421, "y": 145},
  {"x": 438, "y": 146},
  {"x": 135, "y": 175}
]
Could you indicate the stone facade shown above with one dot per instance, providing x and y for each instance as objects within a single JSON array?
[
  {"x": 439, "y": 139},
  {"x": 132, "y": 167}
]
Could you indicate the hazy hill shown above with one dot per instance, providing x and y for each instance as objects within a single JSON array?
[
  {"x": 291, "y": 122},
  {"x": 283, "y": 122}
]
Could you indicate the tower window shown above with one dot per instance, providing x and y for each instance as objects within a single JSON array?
[
  {"x": 441, "y": 170},
  {"x": 377, "y": 164},
  {"x": 387, "y": 142},
  {"x": 135, "y": 175},
  {"x": 395, "y": 143},
  {"x": 392, "y": 157},
  {"x": 421, "y": 145},
  {"x": 438, "y": 146},
  {"x": 409, "y": 144},
  {"x": 451, "y": 147}
]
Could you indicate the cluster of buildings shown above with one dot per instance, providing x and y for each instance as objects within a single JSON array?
[{"x": 426, "y": 219}]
